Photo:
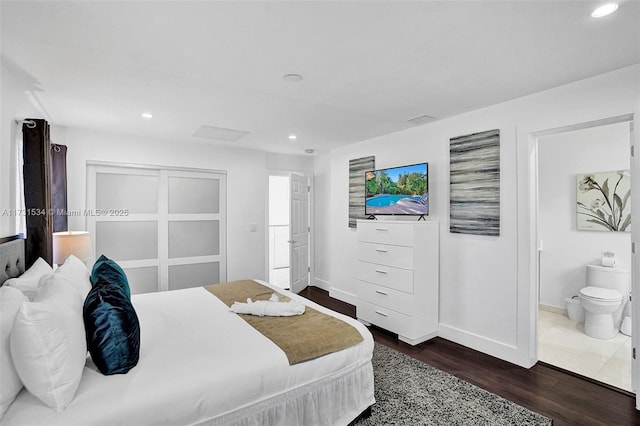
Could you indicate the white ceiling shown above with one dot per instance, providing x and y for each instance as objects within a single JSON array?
[{"x": 368, "y": 66}]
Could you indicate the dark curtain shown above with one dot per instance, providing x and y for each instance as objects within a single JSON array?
[
  {"x": 59, "y": 187},
  {"x": 37, "y": 190}
]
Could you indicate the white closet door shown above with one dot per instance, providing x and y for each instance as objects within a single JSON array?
[
  {"x": 195, "y": 229},
  {"x": 123, "y": 219},
  {"x": 167, "y": 227}
]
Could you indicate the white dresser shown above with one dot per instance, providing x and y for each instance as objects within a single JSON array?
[{"x": 398, "y": 277}]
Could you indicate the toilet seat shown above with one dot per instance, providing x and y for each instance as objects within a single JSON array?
[{"x": 600, "y": 294}]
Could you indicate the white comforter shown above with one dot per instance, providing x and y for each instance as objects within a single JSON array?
[{"x": 202, "y": 364}]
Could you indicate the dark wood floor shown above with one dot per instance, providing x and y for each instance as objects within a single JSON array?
[{"x": 565, "y": 398}]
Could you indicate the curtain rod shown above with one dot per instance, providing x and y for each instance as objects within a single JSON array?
[{"x": 30, "y": 123}]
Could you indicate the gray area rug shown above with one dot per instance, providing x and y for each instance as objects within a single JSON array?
[{"x": 410, "y": 392}]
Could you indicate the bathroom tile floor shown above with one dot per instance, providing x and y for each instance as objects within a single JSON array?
[{"x": 562, "y": 342}]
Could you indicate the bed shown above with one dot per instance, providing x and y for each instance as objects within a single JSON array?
[{"x": 200, "y": 364}]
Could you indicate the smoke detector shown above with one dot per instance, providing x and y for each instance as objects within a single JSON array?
[{"x": 292, "y": 78}]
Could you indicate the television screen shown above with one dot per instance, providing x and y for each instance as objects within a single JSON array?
[{"x": 397, "y": 191}]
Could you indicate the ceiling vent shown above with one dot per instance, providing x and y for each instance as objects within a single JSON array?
[
  {"x": 421, "y": 119},
  {"x": 219, "y": 133}
]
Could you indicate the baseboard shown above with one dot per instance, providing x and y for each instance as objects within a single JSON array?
[
  {"x": 482, "y": 344},
  {"x": 554, "y": 309},
  {"x": 350, "y": 298},
  {"x": 325, "y": 285},
  {"x": 418, "y": 340}
]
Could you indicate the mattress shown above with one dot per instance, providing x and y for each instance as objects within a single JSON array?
[{"x": 201, "y": 364}]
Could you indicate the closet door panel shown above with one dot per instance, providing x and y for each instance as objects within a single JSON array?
[
  {"x": 194, "y": 238},
  {"x": 133, "y": 193},
  {"x": 193, "y": 195},
  {"x": 193, "y": 275},
  {"x": 196, "y": 242},
  {"x": 142, "y": 280},
  {"x": 131, "y": 240}
]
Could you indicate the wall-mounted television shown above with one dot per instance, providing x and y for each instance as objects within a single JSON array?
[{"x": 400, "y": 190}]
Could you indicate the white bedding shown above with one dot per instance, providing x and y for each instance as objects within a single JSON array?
[{"x": 202, "y": 364}]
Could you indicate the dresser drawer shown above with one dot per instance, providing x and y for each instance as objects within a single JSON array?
[
  {"x": 383, "y": 317},
  {"x": 385, "y": 233},
  {"x": 386, "y": 297},
  {"x": 385, "y": 254},
  {"x": 387, "y": 276}
]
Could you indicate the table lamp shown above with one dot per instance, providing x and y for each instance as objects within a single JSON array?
[{"x": 65, "y": 243}]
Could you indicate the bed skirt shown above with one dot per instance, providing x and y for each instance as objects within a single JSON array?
[{"x": 329, "y": 401}]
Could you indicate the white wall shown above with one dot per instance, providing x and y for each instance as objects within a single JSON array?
[
  {"x": 321, "y": 223},
  {"x": 486, "y": 294},
  {"x": 290, "y": 163},
  {"x": 566, "y": 250}
]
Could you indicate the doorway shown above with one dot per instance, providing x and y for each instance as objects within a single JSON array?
[
  {"x": 565, "y": 248},
  {"x": 289, "y": 232},
  {"x": 279, "y": 225}
]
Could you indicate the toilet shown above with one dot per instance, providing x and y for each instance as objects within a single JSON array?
[{"x": 604, "y": 299}]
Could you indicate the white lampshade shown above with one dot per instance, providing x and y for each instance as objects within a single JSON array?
[{"x": 77, "y": 243}]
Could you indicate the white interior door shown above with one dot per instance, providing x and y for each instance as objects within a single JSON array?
[
  {"x": 635, "y": 257},
  {"x": 299, "y": 232}
]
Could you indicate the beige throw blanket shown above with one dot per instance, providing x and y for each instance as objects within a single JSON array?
[{"x": 301, "y": 337}]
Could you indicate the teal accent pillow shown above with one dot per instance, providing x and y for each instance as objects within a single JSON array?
[
  {"x": 111, "y": 272},
  {"x": 112, "y": 328}
]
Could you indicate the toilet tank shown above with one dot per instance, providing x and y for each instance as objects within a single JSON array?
[{"x": 606, "y": 277}]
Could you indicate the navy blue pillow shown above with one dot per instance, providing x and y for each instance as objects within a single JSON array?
[
  {"x": 112, "y": 329},
  {"x": 111, "y": 272}
]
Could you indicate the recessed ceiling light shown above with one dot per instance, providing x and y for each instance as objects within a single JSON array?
[
  {"x": 292, "y": 137},
  {"x": 292, "y": 78},
  {"x": 147, "y": 115},
  {"x": 604, "y": 10}
]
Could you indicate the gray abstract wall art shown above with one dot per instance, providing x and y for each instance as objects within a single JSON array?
[
  {"x": 357, "y": 168},
  {"x": 474, "y": 167}
]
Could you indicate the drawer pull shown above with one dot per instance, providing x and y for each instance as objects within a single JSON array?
[
  {"x": 382, "y": 313},
  {"x": 382, "y": 292},
  {"x": 382, "y": 229},
  {"x": 379, "y": 250},
  {"x": 380, "y": 271}
]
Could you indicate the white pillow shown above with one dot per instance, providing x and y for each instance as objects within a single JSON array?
[
  {"x": 58, "y": 289},
  {"x": 48, "y": 344},
  {"x": 75, "y": 272},
  {"x": 28, "y": 282},
  {"x": 10, "y": 301},
  {"x": 38, "y": 269}
]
